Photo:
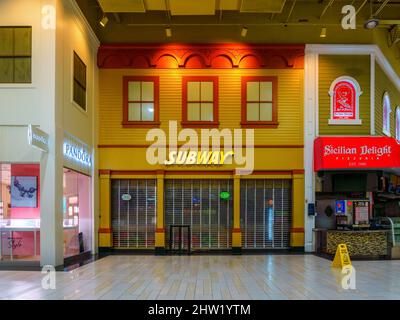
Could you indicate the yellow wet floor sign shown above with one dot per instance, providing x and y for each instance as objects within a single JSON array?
[{"x": 342, "y": 257}]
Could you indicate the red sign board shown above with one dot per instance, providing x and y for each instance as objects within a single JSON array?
[
  {"x": 344, "y": 101},
  {"x": 356, "y": 153}
]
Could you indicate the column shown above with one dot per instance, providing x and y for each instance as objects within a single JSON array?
[
  {"x": 236, "y": 231},
  {"x": 105, "y": 231},
  {"x": 160, "y": 228},
  {"x": 297, "y": 231}
]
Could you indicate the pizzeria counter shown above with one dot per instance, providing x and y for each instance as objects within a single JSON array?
[{"x": 360, "y": 243}]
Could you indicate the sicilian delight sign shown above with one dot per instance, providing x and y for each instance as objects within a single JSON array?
[
  {"x": 356, "y": 153},
  {"x": 344, "y": 101}
]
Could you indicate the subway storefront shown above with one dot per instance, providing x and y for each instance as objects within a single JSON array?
[{"x": 247, "y": 195}]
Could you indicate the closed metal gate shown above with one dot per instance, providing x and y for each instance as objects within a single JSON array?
[
  {"x": 205, "y": 207},
  {"x": 133, "y": 206},
  {"x": 265, "y": 213}
]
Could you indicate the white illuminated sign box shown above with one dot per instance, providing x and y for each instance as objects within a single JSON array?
[
  {"x": 77, "y": 154},
  {"x": 38, "y": 138}
]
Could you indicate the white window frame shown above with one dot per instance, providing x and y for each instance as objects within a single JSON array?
[
  {"x": 386, "y": 131},
  {"x": 397, "y": 123},
  {"x": 357, "y": 120}
]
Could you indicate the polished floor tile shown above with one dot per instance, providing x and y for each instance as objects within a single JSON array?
[{"x": 255, "y": 277}]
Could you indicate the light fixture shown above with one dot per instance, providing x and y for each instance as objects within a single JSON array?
[
  {"x": 323, "y": 33},
  {"x": 168, "y": 32},
  {"x": 104, "y": 20},
  {"x": 371, "y": 23},
  {"x": 243, "y": 33}
]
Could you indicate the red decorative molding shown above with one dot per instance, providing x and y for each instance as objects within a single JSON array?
[
  {"x": 259, "y": 146},
  {"x": 297, "y": 230},
  {"x": 236, "y": 230},
  {"x": 200, "y": 56},
  {"x": 160, "y": 230}
]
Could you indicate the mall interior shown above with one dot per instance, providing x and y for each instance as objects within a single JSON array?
[{"x": 305, "y": 95}]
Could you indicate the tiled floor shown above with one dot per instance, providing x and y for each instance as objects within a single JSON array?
[{"x": 208, "y": 277}]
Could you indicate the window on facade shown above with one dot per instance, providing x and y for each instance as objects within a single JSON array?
[
  {"x": 15, "y": 54},
  {"x": 200, "y": 100},
  {"x": 398, "y": 123},
  {"x": 141, "y": 100},
  {"x": 259, "y": 101},
  {"x": 79, "y": 82},
  {"x": 386, "y": 109}
]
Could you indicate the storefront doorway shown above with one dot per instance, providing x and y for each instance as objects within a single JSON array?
[
  {"x": 133, "y": 212},
  {"x": 77, "y": 213},
  {"x": 20, "y": 212},
  {"x": 206, "y": 205},
  {"x": 265, "y": 213}
]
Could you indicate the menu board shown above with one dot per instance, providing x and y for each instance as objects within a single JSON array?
[{"x": 361, "y": 211}]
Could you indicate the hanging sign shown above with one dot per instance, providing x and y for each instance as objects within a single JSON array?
[
  {"x": 38, "y": 138},
  {"x": 342, "y": 257},
  {"x": 356, "y": 153}
]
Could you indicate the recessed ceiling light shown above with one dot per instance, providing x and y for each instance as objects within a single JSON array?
[
  {"x": 323, "y": 33},
  {"x": 371, "y": 23},
  {"x": 168, "y": 32},
  {"x": 104, "y": 20},
  {"x": 243, "y": 33}
]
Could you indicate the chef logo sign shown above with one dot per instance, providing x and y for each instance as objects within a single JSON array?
[
  {"x": 344, "y": 101},
  {"x": 345, "y": 92}
]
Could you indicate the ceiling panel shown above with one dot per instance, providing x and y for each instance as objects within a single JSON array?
[
  {"x": 269, "y": 6},
  {"x": 122, "y": 5},
  {"x": 192, "y": 7}
]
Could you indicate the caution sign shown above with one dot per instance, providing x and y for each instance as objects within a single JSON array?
[{"x": 342, "y": 257}]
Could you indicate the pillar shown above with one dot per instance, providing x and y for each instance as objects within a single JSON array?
[
  {"x": 236, "y": 231},
  {"x": 105, "y": 231},
  {"x": 160, "y": 228},
  {"x": 297, "y": 231}
]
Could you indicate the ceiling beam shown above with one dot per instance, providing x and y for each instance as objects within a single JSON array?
[
  {"x": 291, "y": 10},
  {"x": 361, "y": 6},
  {"x": 117, "y": 17},
  {"x": 326, "y": 8},
  {"x": 383, "y": 5}
]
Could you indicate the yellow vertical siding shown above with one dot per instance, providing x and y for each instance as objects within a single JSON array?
[
  {"x": 383, "y": 84},
  {"x": 332, "y": 67},
  {"x": 290, "y": 103}
]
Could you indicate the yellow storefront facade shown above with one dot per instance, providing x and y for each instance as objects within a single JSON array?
[{"x": 203, "y": 87}]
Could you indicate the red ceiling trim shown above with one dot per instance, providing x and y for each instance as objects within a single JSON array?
[{"x": 200, "y": 56}]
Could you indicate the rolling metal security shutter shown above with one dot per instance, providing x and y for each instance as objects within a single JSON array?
[
  {"x": 198, "y": 203},
  {"x": 134, "y": 220},
  {"x": 265, "y": 213}
]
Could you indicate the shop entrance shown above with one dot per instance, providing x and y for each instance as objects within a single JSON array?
[
  {"x": 204, "y": 205},
  {"x": 133, "y": 212},
  {"x": 265, "y": 213}
]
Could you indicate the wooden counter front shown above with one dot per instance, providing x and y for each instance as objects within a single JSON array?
[{"x": 368, "y": 243}]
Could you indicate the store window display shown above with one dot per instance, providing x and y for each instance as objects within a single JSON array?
[
  {"x": 20, "y": 212},
  {"x": 76, "y": 213}
]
